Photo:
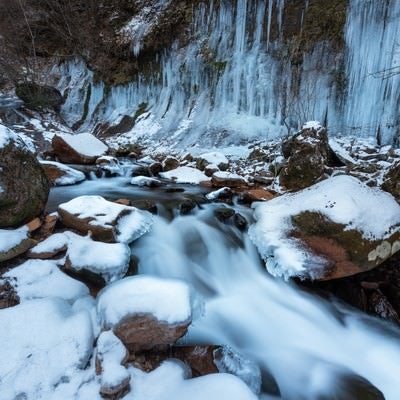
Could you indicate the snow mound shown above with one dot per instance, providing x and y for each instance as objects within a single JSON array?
[
  {"x": 70, "y": 175},
  {"x": 228, "y": 176},
  {"x": 85, "y": 144},
  {"x": 36, "y": 279},
  {"x": 129, "y": 222},
  {"x": 343, "y": 199},
  {"x": 215, "y": 158},
  {"x": 166, "y": 299},
  {"x": 111, "y": 353},
  {"x": 185, "y": 175},
  {"x": 169, "y": 382},
  {"x": 43, "y": 343},
  {"x": 9, "y": 238}
]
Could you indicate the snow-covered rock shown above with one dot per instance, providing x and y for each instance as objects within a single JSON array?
[
  {"x": 14, "y": 242},
  {"x": 214, "y": 158},
  {"x": 109, "y": 164},
  {"x": 60, "y": 174},
  {"x": 107, "y": 261},
  {"x": 185, "y": 175},
  {"x": 230, "y": 179},
  {"x": 111, "y": 354},
  {"x": 223, "y": 194},
  {"x": 82, "y": 148},
  {"x": 145, "y": 181},
  {"x": 110, "y": 261},
  {"x": 44, "y": 343},
  {"x": 146, "y": 312},
  {"x": 36, "y": 279},
  {"x": 335, "y": 228},
  {"x": 107, "y": 221},
  {"x": 169, "y": 381},
  {"x": 170, "y": 163}
]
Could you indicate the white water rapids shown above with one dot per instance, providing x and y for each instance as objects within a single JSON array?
[{"x": 306, "y": 343}]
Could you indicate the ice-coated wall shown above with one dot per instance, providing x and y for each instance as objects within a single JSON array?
[{"x": 232, "y": 82}]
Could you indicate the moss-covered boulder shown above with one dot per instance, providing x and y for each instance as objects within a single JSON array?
[
  {"x": 24, "y": 187},
  {"x": 306, "y": 155}
]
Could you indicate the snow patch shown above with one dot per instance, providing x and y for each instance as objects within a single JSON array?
[
  {"x": 9, "y": 238},
  {"x": 185, "y": 175}
]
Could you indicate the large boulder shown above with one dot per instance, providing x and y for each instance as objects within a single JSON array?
[
  {"x": 82, "y": 148},
  {"x": 336, "y": 228},
  {"x": 146, "y": 313},
  {"x": 306, "y": 154},
  {"x": 24, "y": 187},
  {"x": 39, "y": 96}
]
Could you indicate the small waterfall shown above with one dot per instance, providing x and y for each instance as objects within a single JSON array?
[
  {"x": 234, "y": 80},
  {"x": 304, "y": 342}
]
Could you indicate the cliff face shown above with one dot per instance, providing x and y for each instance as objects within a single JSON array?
[{"x": 220, "y": 72}]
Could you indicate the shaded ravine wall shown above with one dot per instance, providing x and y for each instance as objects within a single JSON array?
[{"x": 241, "y": 74}]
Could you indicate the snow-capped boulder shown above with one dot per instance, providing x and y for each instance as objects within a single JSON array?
[
  {"x": 59, "y": 174},
  {"x": 37, "y": 279},
  {"x": 146, "y": 312},
  {"x": 47, "y": 342},
  {"x": 230, "y": 179},
  {"x": 306, "y": 154},
  {"x": 170, "y": 163},
  {"x": 23, "y": 184},
  {"x": 110, "y": 357},
  {"x": 214, "y": 158},
  {"x": 225, "y": 194},
  {"x": 336, "y": 228},
  {"x": 145, "y": 181},
  {"x": 185, "y": 175},
  {"x": 107, "y": 221},
  {"x": 14, "y": 242},
  {"x": 82, "y": 148},
  {"x": 96, "y": 261}
]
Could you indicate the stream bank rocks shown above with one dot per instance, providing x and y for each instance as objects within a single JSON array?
[
  {"x": 24, "y": 187},
  {"x": 327, "y": 231}
]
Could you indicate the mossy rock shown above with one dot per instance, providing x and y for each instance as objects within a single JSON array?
[
  {"x": 25, "y": 186},
  {"x": 346, "y": 251}
]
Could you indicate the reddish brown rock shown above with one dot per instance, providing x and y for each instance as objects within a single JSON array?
[
  {"x": 78, "y": 153},
  {"x": 8, "y": 295},
  {"x": 249, "y": 196},
  {"x": 144, "y": 332}
]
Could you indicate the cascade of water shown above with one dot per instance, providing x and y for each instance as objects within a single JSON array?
[
  {"x": 305, "y": 342},
  {"x": 232, "y": 81}
]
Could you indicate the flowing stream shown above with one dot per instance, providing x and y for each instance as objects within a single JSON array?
[{"x": 307, "y": 347}]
